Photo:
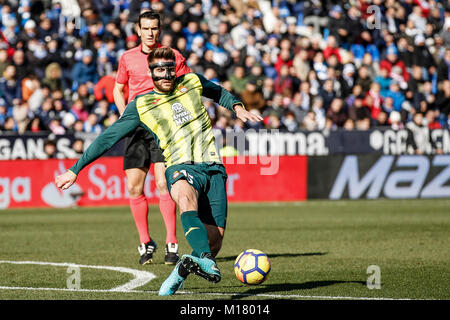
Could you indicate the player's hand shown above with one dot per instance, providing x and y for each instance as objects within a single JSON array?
[
  {"x": 245, "y": 115},
  {"x": 65, "y": 180}
]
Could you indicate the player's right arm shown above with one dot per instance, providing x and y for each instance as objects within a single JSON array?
[
  {"x": 119, "y": 96},
  {"x": 119, "y": 85},
  {"x": 128, "y": 122}
]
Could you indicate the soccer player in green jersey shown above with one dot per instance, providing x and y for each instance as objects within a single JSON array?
[{"x": 174, "y": 113}]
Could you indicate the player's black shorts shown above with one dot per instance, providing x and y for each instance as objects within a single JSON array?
[{"x": 141, "y": 150}]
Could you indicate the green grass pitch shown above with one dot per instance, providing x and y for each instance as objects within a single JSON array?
[{"x": 318, "y": 250}]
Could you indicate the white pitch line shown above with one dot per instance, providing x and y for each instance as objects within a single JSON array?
[
  {"x": 140, "y": 277},
  {"x": 231, "y": 294},
  {"x": 143, "y": 277}
]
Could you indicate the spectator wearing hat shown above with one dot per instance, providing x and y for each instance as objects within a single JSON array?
[
  {"x": 29, "y": 32},
  {"x": 348, "y": 79},
  {"x": 338, "y": 26},
  {"x": 421, "y": 55},
  {"x": 85, "y": 71},
  {"x": 392, "y": 60}
]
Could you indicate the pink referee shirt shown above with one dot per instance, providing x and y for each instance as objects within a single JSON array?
[{"x": 133, "y": 69}]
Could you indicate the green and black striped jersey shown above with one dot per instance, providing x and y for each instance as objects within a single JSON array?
[{"x": 178, "y": 120}]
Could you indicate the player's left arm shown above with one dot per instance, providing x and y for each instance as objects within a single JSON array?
[
  {"x": 128, "y": 122},
  {"x": 224, "y": 98}
]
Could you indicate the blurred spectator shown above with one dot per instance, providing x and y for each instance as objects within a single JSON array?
[
  {"x": 392, "y": 60},
  {"x": 50, "y": 148},
  {"x": 421, "y": 142},
  {"x": 10, "y": 87},
  {"x": 84, "y": 71},
  {"x": 384, "y": 80},
  {"x": 91, "y": 124},
  {"x": 283, "y": 82},
  {"x": 395, "y": 120},
  {"x": 23, "y": 69},
  {"x": 396, "y": 95},
  {"x": 21, "y": 115},
  {"x": 79, "y": 110},
  {"x": 309, "y": 122},
  {"x": 238, "y": 79},
  {"x": 374, "y": 100},
  {"x": 349, "y": 125},
  {"x": 327, "y": 93},
  {"x": 78, "y": 148},
  {"x": 104, "y": 88},
  {"x": 53, "y": 77},
  {"x": 9, "y": 124},
  {"x": 364, "y": 79},
  {"x": 252, "y": 98},
  {"x": 36, "y": 125},
  {"x": 336, "y": 112},
  {"x": 3, "y": 60}
]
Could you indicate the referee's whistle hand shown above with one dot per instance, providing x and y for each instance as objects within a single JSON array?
[{"x": 65, "y": 180}]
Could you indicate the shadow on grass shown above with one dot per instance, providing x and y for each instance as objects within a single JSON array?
[
  {"x": 285, "y": 287},
  {"x": 277, "y": 255}
]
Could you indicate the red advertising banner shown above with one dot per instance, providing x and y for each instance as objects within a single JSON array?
[{"x": 30, "y": 183}]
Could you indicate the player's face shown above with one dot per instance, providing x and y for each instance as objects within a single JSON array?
[
  {"x": 149, "y": 32},
  {"x": 163, "y": 76}
]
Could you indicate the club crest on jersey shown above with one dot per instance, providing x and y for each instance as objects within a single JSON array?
[
  {"x": 183, "y": 89},
  {"x": 180, "y": 114}
]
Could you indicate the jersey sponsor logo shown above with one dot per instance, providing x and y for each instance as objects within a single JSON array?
[{"x": 180, "y": 114}]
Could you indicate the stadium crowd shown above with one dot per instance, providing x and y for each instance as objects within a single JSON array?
[{"x": 302, "y": 65}]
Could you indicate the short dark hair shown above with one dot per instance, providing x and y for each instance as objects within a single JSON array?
[
  {"x": 160, "y": 53},
  {"x": 151, "y": 15}
]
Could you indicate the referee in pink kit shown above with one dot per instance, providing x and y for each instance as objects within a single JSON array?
[{"x": 141, "y": 148}]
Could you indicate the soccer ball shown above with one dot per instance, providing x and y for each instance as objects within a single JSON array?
[{"x": 252, "y": 266}]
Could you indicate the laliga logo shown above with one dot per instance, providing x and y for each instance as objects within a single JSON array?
[{"x": 57, "y": 198}]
